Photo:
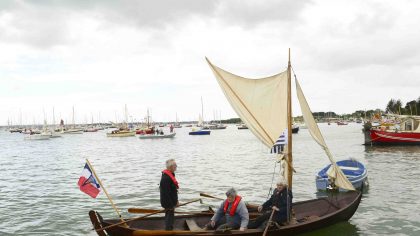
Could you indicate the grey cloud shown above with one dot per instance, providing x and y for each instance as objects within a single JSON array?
[
  {"x": 43, "y": 24},
  {"x": 253, "y": 13}
]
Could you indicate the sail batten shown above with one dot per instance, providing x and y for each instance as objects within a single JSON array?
[
  {"x": 260, "y": 103},
  {"x": 335, "y": 172}
]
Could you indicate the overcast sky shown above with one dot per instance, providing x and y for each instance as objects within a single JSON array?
[{"x": 99, "y": 55}]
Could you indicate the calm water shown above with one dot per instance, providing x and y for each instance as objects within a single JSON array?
[{"x": 39, "y": 193}]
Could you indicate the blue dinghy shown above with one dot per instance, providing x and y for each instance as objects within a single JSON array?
[{"x": 355, "y": 171}]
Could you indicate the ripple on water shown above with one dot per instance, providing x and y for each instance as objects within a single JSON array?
[{"x": 39, "y": 194}]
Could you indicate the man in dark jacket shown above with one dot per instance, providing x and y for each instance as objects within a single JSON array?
[
  {"x": 280, "y": 202},
  {"x": 169, "y": 193}
]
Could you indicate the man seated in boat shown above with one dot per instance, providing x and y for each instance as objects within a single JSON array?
[
  {"x": 280, "y": 202},
  {"x": 232, "y": 214}
]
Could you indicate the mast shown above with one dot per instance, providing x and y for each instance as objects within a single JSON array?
[
  {"x": 73, "y": 119},
  {"x": 202, "y": 115},
  {"x": 289, "y": 125},
  {"x": 53, "y": 118},
  {"x": 147, "y": 118}
]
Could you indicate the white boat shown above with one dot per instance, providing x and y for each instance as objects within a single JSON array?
[
  {"x": 158, "y": 136},
  {"x": 242, "y": 126},
  {"x": 42, "y": 136},
  {"x": 54, "y": 134},
  {"x": 73, "y": 131}
]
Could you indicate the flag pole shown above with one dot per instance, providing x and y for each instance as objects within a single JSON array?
[{"x": 106, "y": 193}]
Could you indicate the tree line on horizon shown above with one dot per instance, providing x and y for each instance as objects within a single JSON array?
[{"x": 394, "y": 106}]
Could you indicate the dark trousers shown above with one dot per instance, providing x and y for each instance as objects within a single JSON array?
[
  {"x": 169, "y": 219},
  {"x": 222, "y": 225},
  {"x": 260, "y": 221}
]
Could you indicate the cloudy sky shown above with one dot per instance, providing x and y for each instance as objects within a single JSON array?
[{"x": 99, "y": 55}]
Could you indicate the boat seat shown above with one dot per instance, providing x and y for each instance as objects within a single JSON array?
[{"x": 192, "y": 225}]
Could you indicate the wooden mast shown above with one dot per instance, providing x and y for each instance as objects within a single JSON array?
[
  {"x": 106, "y": 193},
  {"x": 289, "y": 125}
]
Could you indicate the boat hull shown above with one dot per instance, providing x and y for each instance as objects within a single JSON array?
[
  {"x": 122, "y": 134},
  {"x": 200, "y": 132},
  {"x": 37, "y": 137},
  {"x": 384, "y": 137},
  {"x": 310, "y": 215},
  {"x": 73, "y": 131},
  {"x": 355, "y": 172},
  {"x": 152, "y": 136}
]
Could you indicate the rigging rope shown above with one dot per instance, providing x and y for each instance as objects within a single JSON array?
[{"x": 272, "y": 180}]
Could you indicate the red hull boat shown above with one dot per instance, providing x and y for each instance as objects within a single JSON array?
[
  {"x": 406, "y": 133},
  {"x": 392, "y": 137}
]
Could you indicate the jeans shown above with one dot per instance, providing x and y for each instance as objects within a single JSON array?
[{"x": 169, "y": 219}]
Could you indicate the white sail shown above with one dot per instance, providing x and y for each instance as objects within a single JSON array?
[
  {"x": 335, "y": 172},
  {"x": 260, "y": 103}
]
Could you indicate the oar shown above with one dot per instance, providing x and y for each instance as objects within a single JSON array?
[
  {"x": 146, "y": 211},
  {"x": 268, "y": 223},
  {"x": 249, "y": 205},
  {"x": 142, "y": 217},
  {"x": 210, "y": 196}
]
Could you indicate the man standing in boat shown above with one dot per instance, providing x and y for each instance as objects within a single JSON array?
[
  {"x": 232, "y": 213},
  {"x": 169, "y": 193},
  {"x": 280, "y": 201}
]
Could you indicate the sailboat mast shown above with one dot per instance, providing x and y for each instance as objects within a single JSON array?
[
  {"x": 73, "y": 118},
  {"x": 289, "y": 125},
  {"x": 202, "y": 113}
]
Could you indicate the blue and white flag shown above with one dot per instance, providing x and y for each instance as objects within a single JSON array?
[{"x": 278, "y": 146}]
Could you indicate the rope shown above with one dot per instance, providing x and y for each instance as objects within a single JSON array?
[{"x": 272, "y": 180}]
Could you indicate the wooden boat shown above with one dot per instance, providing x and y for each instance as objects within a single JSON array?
[
  {"x": 157, "y": 136},
  {"x": 355, "y": 172},
  {"x": 121, "y": 133},
  {"x": 406, "y": 133},
  {"x": 250, "y": 101},
  {"x": 310, "y": 215}
]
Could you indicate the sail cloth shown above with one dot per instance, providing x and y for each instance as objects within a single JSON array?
[
  {"x": 260, "y": 103},
  {"x": 335, "y": 172}
]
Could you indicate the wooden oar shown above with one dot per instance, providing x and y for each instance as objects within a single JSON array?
[
  {"x": 210, "y": 196},
  {"x": 142, "y": 217},
  {"x": 146, "y": 211},
  {"x": 249, "y": 205},
  {"x": 268, "y": 223}
]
